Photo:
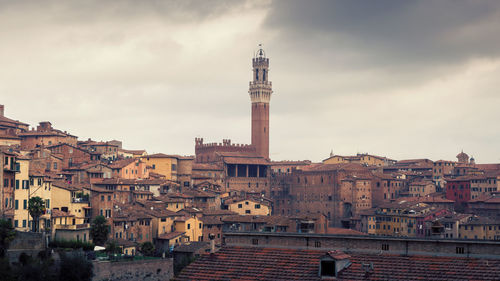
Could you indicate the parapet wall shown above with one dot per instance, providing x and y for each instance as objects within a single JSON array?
[
  {"x": 206, "y": 152},
  {"x": 367, "y": 244},
  {"x": 147, "y": 270}
]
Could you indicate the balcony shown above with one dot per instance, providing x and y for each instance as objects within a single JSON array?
[{"x": 71, "y": 226}]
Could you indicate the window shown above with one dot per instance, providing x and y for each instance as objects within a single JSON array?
[
  {"x": 16, "y": 205},
  {"x": 385, "y": 247},
  {"x": 240, "y": 206},
  {"x": 17, "y": 184},
  {"x": 102, "y": 198},
  {"x": 55, "y": 165},
  {"x": 317, "y": 244},
  {"x": 24, "y": 223},
  {"x": 247, "y": 211},
  {"x": 257, "y": 206},
  {"x": 189, "y": 226},
  {"x": 327, "y": 268},
  {"x": 174, "y": 167},
  {"x": 255, "y": 241},
  {"x": 25, "y": 204},
  {"x": 460, "y": 250}
]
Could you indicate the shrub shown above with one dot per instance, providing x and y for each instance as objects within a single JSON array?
[{"x": 72, "y": 244}]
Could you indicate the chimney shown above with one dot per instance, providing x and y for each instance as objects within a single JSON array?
[
  {"x": 212, "y": 246},
  {"x": 2, "y": 108},
  {"x": 211, "y": 236}
]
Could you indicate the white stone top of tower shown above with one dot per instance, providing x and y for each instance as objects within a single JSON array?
[{"x": 260, "y": 87}]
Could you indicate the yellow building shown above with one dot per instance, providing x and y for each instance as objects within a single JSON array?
[
  {"x": 192, "y": 226},
  {"x": 162, "y": 220},
  {"x": 162, "y": 164},
  {"x": 393, "y": 219},
  {"x": 173, "y": 167},
  {"x": 69, "y": 198},
  {"x": 22, "y": 195},
  {"x": 480, "y": 228},
  {"x": 248, "y": 206},
  {"x": 65, "y": 226},
  {"x": 172, "y": 204},
  {"x": 40, "y": 186}
]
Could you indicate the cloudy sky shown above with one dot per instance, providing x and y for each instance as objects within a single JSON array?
[{"x": 403, "y": 79}]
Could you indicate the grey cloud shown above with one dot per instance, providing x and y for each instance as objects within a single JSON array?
[
  {"x": 398, "y": 32},
  {"x": 85, "y": 12}
]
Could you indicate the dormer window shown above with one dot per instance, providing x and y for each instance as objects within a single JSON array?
[{"x": 332, "y": 263}]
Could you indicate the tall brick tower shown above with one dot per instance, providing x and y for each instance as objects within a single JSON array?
[{"x": 260, "y": 94}]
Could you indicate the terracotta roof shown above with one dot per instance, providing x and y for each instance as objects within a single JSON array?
[
  {"x": 134, "y": 152},
  {"x": 124, "y": 243},
  {"x": 55, "y": 213},
  {"x": 206, "y": 166},
  {"x": 118, "y": 164},
  {"x": 170, "y": 235},
  {"x": 343, "y": 231},
  {"x": 120, "y": 181},
  {"x": 218, "y": 213},
  {"x": 12, "y": 121},
  {"x": 291, "y": 163},
  {"x": 191, "y": 247},
  {"x": 67, "y": 186},
  {"x": 212, "y": 220},
  {"x": 335, "y": 167},
  {"x": 248, "y": 263},
  {"x": 162, "y": 155},
  {"x": 267, "y": 220},
  {"x": 246, "y": 160}
]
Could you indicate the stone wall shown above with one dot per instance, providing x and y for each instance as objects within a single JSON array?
[
  {"x": 26, "y": 242},
  {"x": 147, "y": 270},
  {"x": 367, "y": 244}
]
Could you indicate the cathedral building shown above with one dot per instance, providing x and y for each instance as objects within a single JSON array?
[{"x": 245, "y": 166}]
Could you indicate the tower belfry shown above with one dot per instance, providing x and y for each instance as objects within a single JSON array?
[{"x": 260, "y": 94}]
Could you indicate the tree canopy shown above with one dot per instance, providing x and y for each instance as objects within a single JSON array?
[
  {"x": 99, "y": 230},
  {"x": 7, "y": 234},
  {"x": 36, "y": 206}
]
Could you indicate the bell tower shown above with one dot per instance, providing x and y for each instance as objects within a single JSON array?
[{"x": 260, "y": 94}]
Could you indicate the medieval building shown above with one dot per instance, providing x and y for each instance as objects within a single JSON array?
[{"x": 245, "y": 166}]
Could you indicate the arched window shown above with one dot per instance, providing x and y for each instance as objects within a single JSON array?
[
  {"x": 257, "y": 74},
  {"x": 263, "y": 75}
]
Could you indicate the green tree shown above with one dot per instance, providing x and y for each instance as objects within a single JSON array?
[
  {"x": 112, "y": 248},
  {"x": 75, "y": 267},
  {"x": 147, "y": 248},
  {"x": 7, "y": 234},
  {"x": 36, "y": 206},
  {"x": 99, "y": 230}
]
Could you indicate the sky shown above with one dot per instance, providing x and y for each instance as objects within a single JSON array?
[{"x": 401, "y": 79}]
